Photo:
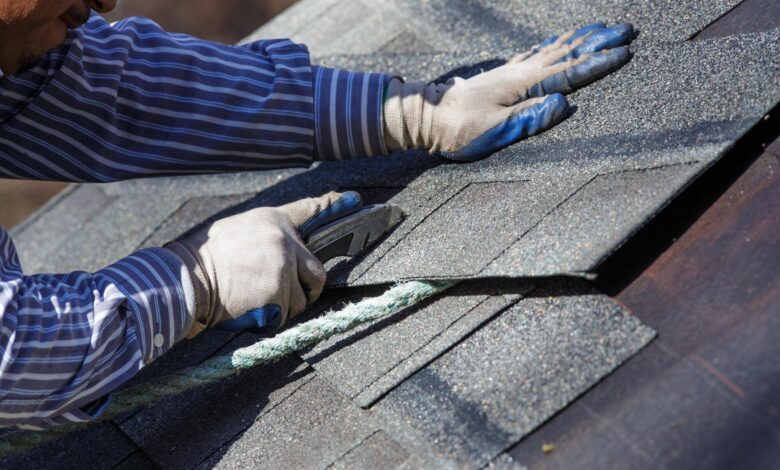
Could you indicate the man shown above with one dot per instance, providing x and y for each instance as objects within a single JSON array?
[{"x": 82, "y": 100}]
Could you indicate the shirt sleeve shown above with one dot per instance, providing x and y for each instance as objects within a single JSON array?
[
  {"x": 67, "y": 340},
  {"x": 128, "y": 100}
]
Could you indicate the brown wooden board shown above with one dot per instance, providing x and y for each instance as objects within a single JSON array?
[{"x": 706, "y": 393}]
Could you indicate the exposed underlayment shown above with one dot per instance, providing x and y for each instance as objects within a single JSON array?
[{"x": 457, "y": 381}]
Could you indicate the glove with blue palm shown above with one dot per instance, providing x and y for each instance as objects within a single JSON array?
[
  {"x": 466, "y": 120},
  {"x": 253, "y": 270}
]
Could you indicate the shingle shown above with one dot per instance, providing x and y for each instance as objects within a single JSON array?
[
  {"x": 192, "y": 212},
  {"x": 331, "y": 23},
  {"x": 389, "y": 351},
  {"x": 51, "y": 228},
  {"x": 312, "y": 428},
  {"x": 667, "y": 20},
  {"x": 102, "y": 446},
  {"x": 192, "y": 186},
  {"x": 103, "y": 236},
  {"x": 470, "y": 230},
  {"x": 380, "y": 23},
  {"x": 511, "y": 375},
  {"x": 417, "y": 200},
  {"x": 182, "y": 430},
  {"x": 136, "y": 461},
  {"x": 581, "y": 231},
  {"x": 748, "y": 16}
]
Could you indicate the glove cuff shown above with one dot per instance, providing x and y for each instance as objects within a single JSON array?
[
  {"x": 403, "y": 113},
  {"x": 201, "y": 286}
]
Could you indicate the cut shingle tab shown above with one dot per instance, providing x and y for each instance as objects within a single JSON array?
[
  {"x": 468, "y": 231},
  {"x": 507, "y": 378}
]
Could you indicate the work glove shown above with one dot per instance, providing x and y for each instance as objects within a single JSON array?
[
  {"x": 466, "y": 120},
  {"x": 253, "y": 269}
]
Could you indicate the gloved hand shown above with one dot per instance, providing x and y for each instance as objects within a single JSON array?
[
  {"x": 466, "y": 120},
  {"x": 253, "y": 269}
]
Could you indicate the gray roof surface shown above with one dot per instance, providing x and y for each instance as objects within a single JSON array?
[{"x": 460, "y": 379}]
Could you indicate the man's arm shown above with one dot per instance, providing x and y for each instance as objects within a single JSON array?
[
  {"x": 67, "y": 340},
  {"x": 130, "y": 100}
]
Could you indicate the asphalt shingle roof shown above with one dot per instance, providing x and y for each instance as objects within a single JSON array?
[{"x": 460, "y": 379}]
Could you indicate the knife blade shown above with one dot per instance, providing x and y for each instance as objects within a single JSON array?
[{"x": 350, "y": 235}]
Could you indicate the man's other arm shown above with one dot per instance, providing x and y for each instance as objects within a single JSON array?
[{"x": 129, "y": 100}]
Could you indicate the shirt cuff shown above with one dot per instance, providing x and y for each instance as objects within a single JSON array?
[
  {"x": 348, "y": 113},
  {"x": 159, "y": 296}
]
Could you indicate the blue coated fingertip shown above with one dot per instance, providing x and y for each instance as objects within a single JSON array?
[
  {"x": 528, "y": 122},
  {"x": 349, "y": 203},
  {"x": 596, "y": 66},
  {"x": 268, "y": 317},
  {"x": 585, "y": 30},
  {"x": 614, "y": 36},
  {"x": 548, "y": 41}
]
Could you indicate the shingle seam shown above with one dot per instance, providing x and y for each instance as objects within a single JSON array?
[
  {"x": 129, "y": 439},
  {"x": 416, "y": 350},
  {"x": 452, "y": 346},
  {"x": 659, "y": 208},
  {"x": 161, "y": 224},
  {"x": 412, "y": 229},
  {"x": 352, "y": 449},
  {"x": 577, "y": 191},
  {"x": 304, "y": 381},
  {"x": 536, "y": 224},
  {"x": 131, "y": 454}
]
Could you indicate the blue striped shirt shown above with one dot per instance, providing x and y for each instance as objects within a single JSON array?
[{"x": 129, "y": 100}]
